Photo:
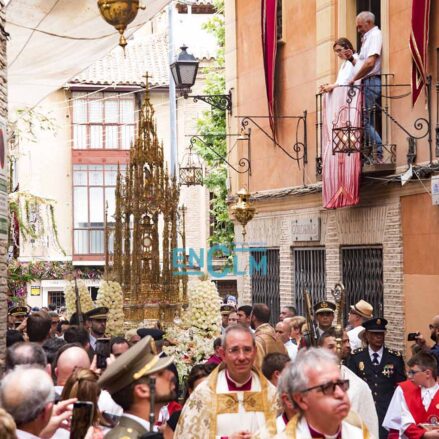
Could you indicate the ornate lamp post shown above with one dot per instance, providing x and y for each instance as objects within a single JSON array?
[
  {"x": 184, "y": 71},
  {"x": 191, "y": 169},
  {"x": 119, "y": 13},
  {"x": 243, "y": 210}
]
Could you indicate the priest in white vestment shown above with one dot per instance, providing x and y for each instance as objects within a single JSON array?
[
  {"x": 236, "y": 399},
  {"x": 319, "y": 391}
]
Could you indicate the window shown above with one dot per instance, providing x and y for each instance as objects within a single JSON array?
[
  {"x": 103, "y": 120},
  {"x": 57, "y": 297},
  {"x": 93, "y": 190},
  {"x": 309, "y": 275},
  {"x": 265, "y": 283},
  {"x": 363, "y": 276}
]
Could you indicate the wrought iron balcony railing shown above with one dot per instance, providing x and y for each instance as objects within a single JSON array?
[{"x": 350, "y": 121}]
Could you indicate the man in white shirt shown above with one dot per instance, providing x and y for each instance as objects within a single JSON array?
[
  {"x": 415, "y": 401},
  {"x": 359, "y": 313},
  {"x": 368, "y": 69},
  {"x": 283, "y": 331}
]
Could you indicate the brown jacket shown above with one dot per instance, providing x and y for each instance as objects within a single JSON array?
[{"x": 267, "y": 343}]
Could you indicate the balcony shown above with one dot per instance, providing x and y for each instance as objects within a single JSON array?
[{"x": 347, "y": 124}]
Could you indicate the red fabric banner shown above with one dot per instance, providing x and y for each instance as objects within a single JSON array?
[
  {"x": 419, "y": 45},
  {"x": 340, "y": 171},
  {"x": 269, "y": 50}
]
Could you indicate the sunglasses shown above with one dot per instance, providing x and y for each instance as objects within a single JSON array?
[{"x": 329, "y": 388}]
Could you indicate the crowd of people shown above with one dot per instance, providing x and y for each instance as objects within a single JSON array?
[{"x": 262, "y": 380}]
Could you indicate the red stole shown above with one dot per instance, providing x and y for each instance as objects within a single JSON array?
[
  {"x": 413, "y": 398},
  {"x": 317, "y": 435}
]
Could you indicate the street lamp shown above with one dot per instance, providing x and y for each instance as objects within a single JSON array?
[{"x": 184, "y": 71}]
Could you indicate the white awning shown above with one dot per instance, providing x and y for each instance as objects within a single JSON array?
[{"x": 53, "y": 40}]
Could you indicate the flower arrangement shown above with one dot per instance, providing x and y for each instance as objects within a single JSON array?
[
  {"x": 192, "y": 339},
  {"x": 84, "y": 298},
  {"x": 110, "y": 295}
]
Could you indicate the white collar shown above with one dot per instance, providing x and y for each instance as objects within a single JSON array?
[
  {"x": 235, "y": 382},
  {"x": 369, "y": 32},
  {"x": 431, "y": 390},
  {"x": 21, "y": 434},
  {"x": 380, "y": 352},
  {"x": 145, "y": 424}
]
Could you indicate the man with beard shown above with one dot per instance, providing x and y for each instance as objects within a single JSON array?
[
  {"x": 236, "y": 400},
  {"x": 97, "y": 319},
  {"x": 421, "y": 344},
  {"x": 319, "y": 392},
  {"x": 127, "y": 380}
]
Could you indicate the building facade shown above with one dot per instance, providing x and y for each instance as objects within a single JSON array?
[{"x": 381, "y": 249}]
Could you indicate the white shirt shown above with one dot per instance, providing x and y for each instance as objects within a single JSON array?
[
  {"x": 380, "y": 354},
  {"x": 25, "y": 435},
  {"x": 372, "y": 44},
  {"x": 346, "y": 72},
  {"x": 354, "y": 340},
  {"x": 291, "y": 349},
  {"x": 398, "y": 416},
  {"x": 92, "y": 341}
]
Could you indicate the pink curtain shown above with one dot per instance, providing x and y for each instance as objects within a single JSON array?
[
  {"x": 269, "y": 50},
  {"x": 419, "y": 45},
  {"x": 340, "y": 171}
]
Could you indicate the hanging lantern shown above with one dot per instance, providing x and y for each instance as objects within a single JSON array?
[
  {"x": 243, "y": 210},
  {"x": 346, "y": 139},
  {"x": 191, "y": 169},
  {"x": 119, "y": 13}
]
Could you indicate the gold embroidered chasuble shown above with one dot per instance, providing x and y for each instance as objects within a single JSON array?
[{"x": 213, "y": 411}]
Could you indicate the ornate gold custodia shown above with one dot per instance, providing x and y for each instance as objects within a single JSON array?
[
  {"x": 146, "y": 229},
  {"x": 119, "y": 13},
  {"x": 243, "y": 210}
]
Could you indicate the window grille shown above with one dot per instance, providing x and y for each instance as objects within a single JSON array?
[
  {"x": 57, "y": 297},
  {"x": 310, "y": 275},
  {"x": 363, "y": 276},
  {"x": 265, "y": 283}
]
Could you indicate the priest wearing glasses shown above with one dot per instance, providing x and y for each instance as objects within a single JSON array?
[
  {"x": 236, "y": 401},
  {"x": 319, "y": 392}
]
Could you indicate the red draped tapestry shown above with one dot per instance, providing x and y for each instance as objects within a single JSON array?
[
  {"x": 419, "y": 45},
  {"x": 340, "y": 171},
  {"x": 269, "y": 50}
]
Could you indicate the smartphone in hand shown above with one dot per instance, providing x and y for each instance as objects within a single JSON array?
[
  {"x": 102, "y": 350},
  {"x": 82, "y": 419}
]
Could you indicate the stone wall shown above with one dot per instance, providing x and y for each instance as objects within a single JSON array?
[
  {"x": 373, "y": 224},
  {"x": 3, "y": 243}
]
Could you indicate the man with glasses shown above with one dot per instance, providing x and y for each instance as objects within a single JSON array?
[
  {"x": 380, "y": 367},
  {"x": 415, "y": 401},
  {"x": 315, "y": 385},
  {"x": 236, "y": 401}
]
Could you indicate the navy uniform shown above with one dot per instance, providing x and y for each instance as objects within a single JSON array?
[
  {"x": 137, "y": 362},
  {"x": 382, "y": 370}
]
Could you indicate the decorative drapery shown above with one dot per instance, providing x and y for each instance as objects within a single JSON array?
[
  {"x": 419, "y": 45},
  {"x": 340, "y": 171},
  {"x": 269, "y": 50}
]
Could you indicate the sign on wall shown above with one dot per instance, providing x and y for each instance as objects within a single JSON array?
[
  {"x": 35, "y": 290},
  {"x": 306, "y": 228}
]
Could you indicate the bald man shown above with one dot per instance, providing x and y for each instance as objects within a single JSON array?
[
  {"x": 283, "y": 331},
  {"x": 70, "y": 357}
]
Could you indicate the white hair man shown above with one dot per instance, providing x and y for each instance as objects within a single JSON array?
[
  {"x": 320, "y": 395},
  {"x": 27, "y": 394},
  {"x": 236, "y": 400}
]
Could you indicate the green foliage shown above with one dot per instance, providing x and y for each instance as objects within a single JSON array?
[{"x": 213, "y": 122}]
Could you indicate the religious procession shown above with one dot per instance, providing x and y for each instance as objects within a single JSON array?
[{"x": 219, "y": 219}]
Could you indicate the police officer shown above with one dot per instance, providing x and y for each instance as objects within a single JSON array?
[
  {"x": 324, "y": 316},
  {"x": 380, "y": 367},
  {"x": 127, "y": 380},
  {"x": 17, "y": 316},
  {"x": 97, "y": 319}
]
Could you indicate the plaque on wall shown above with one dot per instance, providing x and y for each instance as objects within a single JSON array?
[{"x": 306, "y": 229}]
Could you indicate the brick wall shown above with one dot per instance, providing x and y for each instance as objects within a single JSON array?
[
  {"x": 3, "y": 244},
  {"x": 367, "y": 225}
]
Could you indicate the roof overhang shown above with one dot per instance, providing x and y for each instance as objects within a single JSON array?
[{"x": 43, "y": 57}]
